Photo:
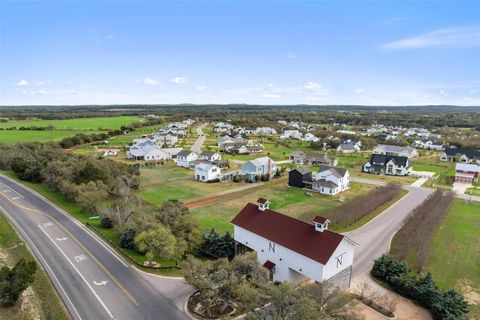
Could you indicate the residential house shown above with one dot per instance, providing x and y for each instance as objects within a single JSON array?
[
  {"x": 207, "y": 172},
  {"x": 165, "y": 139},
  {"x": 389, "y": 165},
  {"x": 429, "y": 145},
  {"x": 210, "y": 155},
  {"x": 291, "y": 134},
  {"x": 329, "y": 180},
  {"x": 310, "y": 137},
  {"x": 185, "y": 158},
  {"x": 257, "y": 168},
  {"x": 349, "y": 146},
  {"x": 296, "y": 177},
  {"x": 312, "y": 158},
  {"x": 461, "y": 155},
  {"x": 399, "y": 151},
  {"x": 467, "y": 173},
  {"x": 292, "y": 250},
  {"x": 147, "y": 153}
]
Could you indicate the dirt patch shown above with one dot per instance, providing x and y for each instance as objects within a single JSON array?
[
  {"x": 471, "y": 294},
  {"x": 31, "y": 304}
]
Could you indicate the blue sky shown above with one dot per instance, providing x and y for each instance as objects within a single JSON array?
[{"x": 378, "y": 53}]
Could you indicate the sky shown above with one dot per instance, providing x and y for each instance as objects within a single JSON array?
[{"x": 159, "y": 52}]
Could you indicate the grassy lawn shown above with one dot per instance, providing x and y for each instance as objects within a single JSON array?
[
  {"x": 111, "y": 235},
  {"x": 473, "y": 191},
  {"x": 98, "y": 123},
  {"x": 455, "y": 249},
  {"x": 40, "y": 301},
  {"x": 442, "y": 171},
  {"x": 290, "y": 201},
  {"x": 394, "y": 179},
  {"x": 159, "y": 184},
  {"x": 10, "y": 136}
]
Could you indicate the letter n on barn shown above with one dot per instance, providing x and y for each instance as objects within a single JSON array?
[{"x": 271, "y": 247}]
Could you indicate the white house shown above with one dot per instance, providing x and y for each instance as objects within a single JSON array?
[
  {"x": 391, "y": 150},
  {"x": 291, "y": 134},
  {"x": 147, "y": 153},
  {"x": 259, "y": 167},
  {"x": 206, "y": 172},
  {"x": 389, "y": 165},
  {"x": 328, "y": 180},
  {"x": 210, "y": 156},
  {"x": 185, "y": 158},
  {"x": 310, "y": 137},
  {"x": 293, "y": 250}
]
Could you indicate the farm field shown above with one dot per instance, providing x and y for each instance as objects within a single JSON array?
[
  {"x": 290, "y": 201},
  {"x": 454, "y": 251},
  {"x": 11, "y": 136},
  {"x": 40, "y": 301},
  {"x": 77, "y": 123},
  {"x": 159, "y": 184}
]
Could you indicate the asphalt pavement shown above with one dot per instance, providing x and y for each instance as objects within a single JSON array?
[
  {"x": 197, "y": 146},
  {"x": 92, "y": 280}
]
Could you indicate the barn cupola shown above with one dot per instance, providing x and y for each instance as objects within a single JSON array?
[
  {"x": 263, "y": 204},
  {"x": 321, "y": 223}
]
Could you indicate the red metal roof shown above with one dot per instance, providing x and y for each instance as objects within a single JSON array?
[
  {"x": 288, "y": 232},
  {"x": 269, "y": 265},
  {"x": 319, "y": 219},
  {"x": 262, "y": 200}
]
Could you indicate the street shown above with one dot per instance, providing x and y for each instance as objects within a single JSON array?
[
  {"x": 197, "y": 146},
  {"x": 92, "y": 280}
]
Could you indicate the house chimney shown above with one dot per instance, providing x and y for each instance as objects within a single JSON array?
[
  {"x": 263, "y": 204},
  {"x": 321, "y": 223}
]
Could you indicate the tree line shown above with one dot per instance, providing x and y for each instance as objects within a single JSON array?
[
  {"x": 352, "y": 211},
  {"x": 418, "y": 227}
]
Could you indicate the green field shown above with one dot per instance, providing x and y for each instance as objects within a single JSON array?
[
  {"x": 455, "y": 249},
  {"x": 62, "y": 128},
  {"x": 99, "y": 123},
  {"x": 290, "y": 201},
  {"x": 11, "y": 136},
  {"x": 168, "y": 182},
  {"x": 42, "y": 302}
]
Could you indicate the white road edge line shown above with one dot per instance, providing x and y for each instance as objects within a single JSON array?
[
  {"x": 37, "y": 252},
  {"x": 79, "y": 273},
  {"x": 10, "y": 189},
  {"x": 89, "y": 232}
]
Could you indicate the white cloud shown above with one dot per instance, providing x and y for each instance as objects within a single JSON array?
[
  {"x": 178, "y": 80},
  {"x": 22, "y": 83},
  {"x": 200, "y": 88},
  {"x": 35, "y": 92},
  {"x": 443, "y": 93},
  {"x": 150, "y": 82},
  {"x": 270, "y": 96},
  {"x": 271, "y": 88},
  {"x": 291, "y": 55},
  {"x": 359, "y": 91},
  {"x": 41, "y": 84},
  {"x": 317, "y": 89},
  {"x": 462, "y": 36}
]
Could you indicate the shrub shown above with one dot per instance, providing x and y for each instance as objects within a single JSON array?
[
  {"x": 126, "y": 238},
  {"x": 107, "y": 222},
  {"x": 443, "y": 305},
  {"x": 14, "y": 281}
]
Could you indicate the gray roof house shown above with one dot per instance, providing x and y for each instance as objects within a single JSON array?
[{"x": 399, "y": 151}]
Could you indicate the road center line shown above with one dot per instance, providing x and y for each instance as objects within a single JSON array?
[
  {"x": 79, "y": 273},
  {"x": 39, "y": 255}
]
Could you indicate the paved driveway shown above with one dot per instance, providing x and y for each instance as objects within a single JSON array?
[{"x": 460, "y": 188}]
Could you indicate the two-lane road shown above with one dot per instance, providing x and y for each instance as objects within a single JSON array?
[
  {"x": 92, "y": 280},
  {"x": 374, "y": 238}
]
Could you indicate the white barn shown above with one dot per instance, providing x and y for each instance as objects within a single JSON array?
[{"x": 293, "y": 250}]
